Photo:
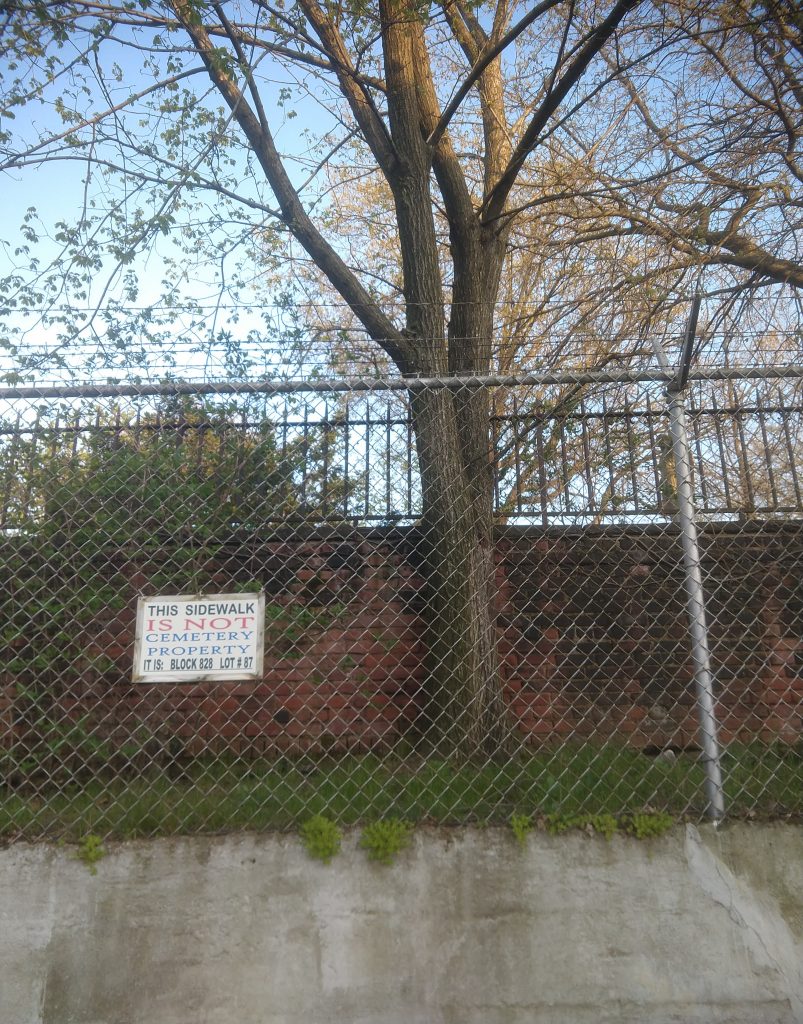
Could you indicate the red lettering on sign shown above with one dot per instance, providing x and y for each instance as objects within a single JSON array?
[{"x": 220, "y": 623}]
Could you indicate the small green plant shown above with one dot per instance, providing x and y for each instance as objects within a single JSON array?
[
  {"x": 603, "y": 824},
  {"x": 90, "y": 851},
  {"x": 522, "y": 825},
  {"x": 640, "y": 824},
  {"x": 321, "y": 838},
  {"x": 383, "y": 840},
  {"x": 647, "y": 824}
]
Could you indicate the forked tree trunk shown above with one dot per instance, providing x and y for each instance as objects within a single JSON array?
[{"x": 411, "y": 147}]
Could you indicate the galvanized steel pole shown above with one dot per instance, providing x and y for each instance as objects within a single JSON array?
[
  {"x": 695, "y": 604},
  {"x": 695, "y": 595},
  {"x": 351, "y": 384}
]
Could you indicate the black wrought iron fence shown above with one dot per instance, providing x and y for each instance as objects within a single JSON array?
[{"x": 559, "y": 455}]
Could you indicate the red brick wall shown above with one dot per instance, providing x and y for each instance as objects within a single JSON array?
[
  {"x": 598, "y": 641},
  {"x": 592, "y": 635}
]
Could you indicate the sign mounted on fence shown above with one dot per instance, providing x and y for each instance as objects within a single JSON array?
[{"x": 186, "y": 638}]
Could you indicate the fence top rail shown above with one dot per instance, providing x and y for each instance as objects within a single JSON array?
[{"x": 368, "y": 384}]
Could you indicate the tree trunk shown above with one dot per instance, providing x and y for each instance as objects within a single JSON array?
[
  {"x": 466, "y": 713},
  {"x": 453, "y": 437}
]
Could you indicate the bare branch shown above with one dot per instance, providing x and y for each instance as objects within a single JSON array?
[
  {"x": 487, "y": 55},
  {"x": 293, "y": 213},
  {"x": 496, "y": 199}
]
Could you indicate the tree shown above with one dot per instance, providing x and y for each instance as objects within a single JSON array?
[{"x": 406, "y": 85}]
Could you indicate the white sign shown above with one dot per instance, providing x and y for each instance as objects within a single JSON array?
[{"x": 195, "y": 637}]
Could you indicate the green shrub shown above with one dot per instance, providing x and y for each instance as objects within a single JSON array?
[
  {"x": 321, "y": 838},
  {"x": 383, "y": 840},
  {"x": 90, "y": 851},
  {"x": 648, "y": 824},
  {"x": 603, "y": 824},
  {"x": 640, "y": 824}
]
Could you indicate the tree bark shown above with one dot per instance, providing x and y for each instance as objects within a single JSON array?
[{"x": 466, "y": 713}]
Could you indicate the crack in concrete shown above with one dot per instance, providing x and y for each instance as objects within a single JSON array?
[{"x": 766, "y": 931}]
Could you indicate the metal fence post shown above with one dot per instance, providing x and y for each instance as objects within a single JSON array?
[
  {"x": 695, "y": 604},
  {"x": 695, "y": 596}
]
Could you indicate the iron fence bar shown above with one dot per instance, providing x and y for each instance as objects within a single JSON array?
[
  {"x": 388, "y": 447},
  {"x": 606, "y": 439},
  {"x": 542, "y": 483},
  {"x": 743, "y": 460},
  {"x": 564, "y": 466},
  {"x": 698, "y": 452},
  {"x": 517, "y": 456},
  {"x": 285, "y": 484},
  {"x": 656, "y": 472},
  {"x": 790, "y": 451},
  {"x": 768, "y": 459},
  {"x": 410, "y": 446},
  {"x": 590, "y": 497},
  {"x": 721, "y": 453},
  {"x": 346, "y": 451},
  {"x": 367, "y": 464},
  {"x": 305, "y": 464},
  {"x": 631, "y": 455},
  {"x": 326, "y": 426}
]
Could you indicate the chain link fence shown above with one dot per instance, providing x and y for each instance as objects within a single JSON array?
[{"x": 452, "y": 600}]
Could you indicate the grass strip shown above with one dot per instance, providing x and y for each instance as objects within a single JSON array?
[{"x": 225, "y": 793}]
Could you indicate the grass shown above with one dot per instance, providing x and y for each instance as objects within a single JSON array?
[{"x": 217, "y": 794}]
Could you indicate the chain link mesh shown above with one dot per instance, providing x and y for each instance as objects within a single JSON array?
[{"x": 438, "y": 644}]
